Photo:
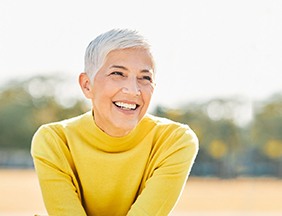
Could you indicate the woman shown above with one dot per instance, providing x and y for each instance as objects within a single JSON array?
[{"x": 115, "y": 159}]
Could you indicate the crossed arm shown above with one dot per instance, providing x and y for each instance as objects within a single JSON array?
[{"x": 61, "y": 189}]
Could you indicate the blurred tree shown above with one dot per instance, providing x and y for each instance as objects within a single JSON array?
[
  {"x": 218, "y": 149},
  {"x": 273, "y": 148},
  {"x": 219, "y": 136},
  {"x": 268, "y": 120},
  {"x": 25, "y": 106},
  {"x": 266, "y": 132},
  {"x": 226, "y": 147}
]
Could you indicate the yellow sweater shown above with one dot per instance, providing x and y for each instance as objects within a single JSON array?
[{"x": 83, "y": 171}]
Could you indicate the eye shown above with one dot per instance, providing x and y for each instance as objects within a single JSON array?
[
  {"x": 117, "y": 73},
  {"x": 147, "y": 78}
]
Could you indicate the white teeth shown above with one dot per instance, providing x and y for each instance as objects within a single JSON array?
[{"x": 126, "y": 105}]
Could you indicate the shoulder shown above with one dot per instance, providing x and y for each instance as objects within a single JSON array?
[
  {"x": 173, "y": 140},
  {"x": 59, "y": 126},
  {"x": 163, "y": 124},
  {"x": 168, "y": 129},
  {"x": 55, "y": 132}
]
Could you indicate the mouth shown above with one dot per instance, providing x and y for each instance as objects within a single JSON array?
[{"x": 126, "y": 106}]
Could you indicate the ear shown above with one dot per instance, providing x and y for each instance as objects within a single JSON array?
[{"x": 85, "y": 85}]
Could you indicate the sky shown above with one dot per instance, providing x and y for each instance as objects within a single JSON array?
[{"x": 203, "y": 49}]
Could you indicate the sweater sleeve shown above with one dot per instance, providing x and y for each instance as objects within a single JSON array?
[
  {"x": 53, "y": 162},
  {"x": 166, "y": 182}
]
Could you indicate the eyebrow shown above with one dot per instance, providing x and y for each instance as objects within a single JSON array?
[
  {"x": 119, "y": 66},
  {"x": 125, "y": 68},
  {"x": 147, "y": 71}
]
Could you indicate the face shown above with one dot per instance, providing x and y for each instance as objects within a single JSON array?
[{"x": 122, "y": 90}]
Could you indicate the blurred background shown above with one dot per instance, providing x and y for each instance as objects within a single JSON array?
[
  {"x": 218, "y": 70},
  {"x": 228, "y": 147}
]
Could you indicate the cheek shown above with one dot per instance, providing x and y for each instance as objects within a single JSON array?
[
  {"x": 105, "y": 90},
  {"x": 147, "y": 95},
  {"x": 149, "y": 91}
]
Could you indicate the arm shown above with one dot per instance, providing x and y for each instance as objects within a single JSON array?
[
  {"x": 53, "y": 164},
  {"x": 163, "y": 188}
]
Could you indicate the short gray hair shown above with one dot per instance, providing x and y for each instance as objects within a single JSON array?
[{"x": 101, "y": 46}]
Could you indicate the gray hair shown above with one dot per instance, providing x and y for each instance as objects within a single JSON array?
[{"x": 101, "y": 46}]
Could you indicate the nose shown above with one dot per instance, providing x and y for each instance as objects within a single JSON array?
[{"x": 131, "y": 87}]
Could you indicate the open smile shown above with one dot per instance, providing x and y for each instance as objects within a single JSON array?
[{"x": 126, "y": 106}]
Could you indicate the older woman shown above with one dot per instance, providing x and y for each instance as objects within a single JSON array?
[{"x": 115, "y": 159}]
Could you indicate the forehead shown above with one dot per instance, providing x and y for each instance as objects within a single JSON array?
[{"x": 138, "y": 57}]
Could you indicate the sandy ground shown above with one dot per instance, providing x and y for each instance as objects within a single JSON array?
[{"x": 20, "y": 196}]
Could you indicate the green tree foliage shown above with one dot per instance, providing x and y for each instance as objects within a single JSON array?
[
  {"x": 230, "y": 146},
  {"x": 25, "y": 105},
  {"x": 267, "y": 129},
  {"x": 220, "y": 135},
  {"x": 267, "y": 124},
  {"x": 208, "y": 127}
]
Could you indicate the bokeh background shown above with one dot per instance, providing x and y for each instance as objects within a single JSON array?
[{"x": 218, "y": 69}]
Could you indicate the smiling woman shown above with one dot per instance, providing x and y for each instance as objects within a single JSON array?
[
  {"x": 126, "y": 78},
  {"x": 115, "y": 159}
]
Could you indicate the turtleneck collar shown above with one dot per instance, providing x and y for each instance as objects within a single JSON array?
[{"x": 109, "y": 143}]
